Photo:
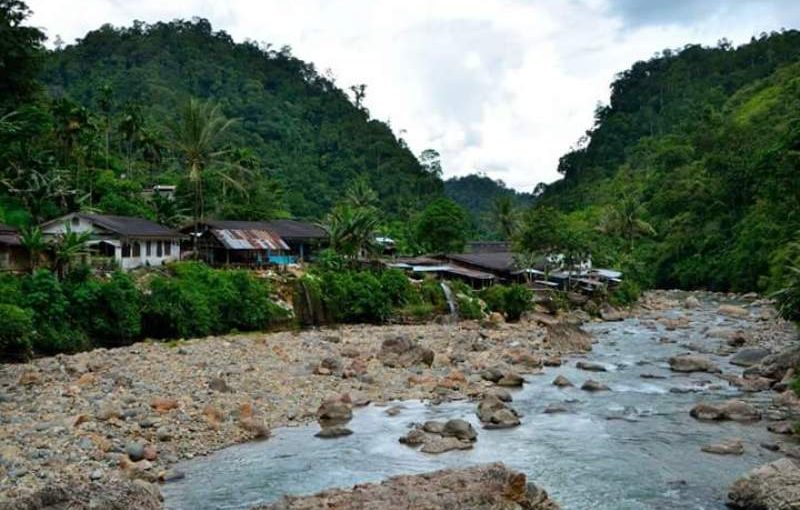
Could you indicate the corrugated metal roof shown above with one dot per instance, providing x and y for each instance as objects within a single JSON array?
[{"x": 249, "y": 239}]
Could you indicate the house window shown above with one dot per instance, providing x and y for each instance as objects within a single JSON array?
[
  {"x": 159, "y": 249},
  {"x": 137, "y": 249},
  {"x": 149, "y": 249},
  {"x": 167, "y": 248},
  {"x": 126, "y": 250}
]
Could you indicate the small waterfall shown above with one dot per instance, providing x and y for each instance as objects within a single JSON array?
[{"x": 451, "y": 300}]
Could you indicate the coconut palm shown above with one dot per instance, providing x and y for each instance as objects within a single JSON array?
[
  {"x": 624, "y": 219},
  {"x": 197, "y": 137},
  {"x": 352, "y": 230}
]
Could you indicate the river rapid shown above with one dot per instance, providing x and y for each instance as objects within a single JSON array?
[{"x": 634, "y": 447}]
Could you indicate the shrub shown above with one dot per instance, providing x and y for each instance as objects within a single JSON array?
[
  {"x": 397, "y": 287},
  {"x": 354, "y": 296},
  {"x": 418, "y": 311},
  {"x": 108, "y": 311},
  {"x": 53, "y": 332},
  {"x": 16, "y": 332},
  {"x": 517, "y": 301},
  {"x": 469, "y": 306},
  {"x": 431, "y": 292},
  {"x": 197, "y": 301},
  {"x": 626, "y": 293}
]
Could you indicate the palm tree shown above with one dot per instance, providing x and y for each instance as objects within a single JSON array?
[
  {"x": 197, "y": 137},
  {"x": 624, "y": 219},
  {"x": 33, "y": 241},
  {"x": 504, "y": 215},
  {"x": 68, "y": 246},
  {"x": 352, "y": 230}
]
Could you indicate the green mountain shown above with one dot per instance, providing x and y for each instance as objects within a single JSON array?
[
  {"x": 479, "y": 194},
  {"x": 702, "y": 145},
  {"x": 296, "y": 123}
]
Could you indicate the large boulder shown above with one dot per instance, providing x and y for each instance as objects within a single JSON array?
[
  {"x": 114, "y": 495},
  {"x": 439, "y": 437},
  {"x": 776, "y": 365},
  {"x": 496, "y": 414},
  {"x": 610, "y": 314},
  {"x": 749, "y": 356},
  {"x": 733, "y": 311},
  {"x": 402, "y": 351},
  {"x": 691, "y": 302},
  {"x": 773, "y": 486},
  {"x": 567, "y": 338},
  {"x": 734, "y": 410},
  {"x": 692, "y": 363},
  {"x": 484, "y": 487},
  {"x": 335, "y": 410},
  {"x": 590, "y": 366}
]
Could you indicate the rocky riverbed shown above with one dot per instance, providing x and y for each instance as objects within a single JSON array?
[{"x": 135, "y": 412}]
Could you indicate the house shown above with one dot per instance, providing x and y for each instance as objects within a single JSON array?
[
  {"x": 242, "y": 243},
  {"x": 131, "y": 242},
  {"x": 420, "y": 267},
  {"x": 304, "y": 239},
  {"x": 13, "y": 256}
]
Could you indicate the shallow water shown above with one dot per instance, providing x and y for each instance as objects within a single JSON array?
[{"x": 635, "y": 447}]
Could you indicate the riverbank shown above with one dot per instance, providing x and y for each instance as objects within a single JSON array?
[
  {"x": 93, "y": 416},
  {"x": 132, "y": 412}
]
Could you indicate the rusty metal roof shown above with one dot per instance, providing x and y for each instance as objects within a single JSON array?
[{"x": 248, "y": 239}]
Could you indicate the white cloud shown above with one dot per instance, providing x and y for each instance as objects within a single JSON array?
[{"x": 501, "y": 86}]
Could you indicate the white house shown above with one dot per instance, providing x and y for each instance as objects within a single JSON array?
[{"x": 132, "y": 242}]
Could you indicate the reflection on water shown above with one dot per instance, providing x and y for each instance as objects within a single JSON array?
[{"x": 635, "y": 447}]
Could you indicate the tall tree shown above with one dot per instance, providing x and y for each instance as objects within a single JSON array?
[
  {"x": 197, "y": 137},
  {"x": 21, "y": 54},
  {"x": 442, "y": 227},
  {"x": 504, "y": 216}
]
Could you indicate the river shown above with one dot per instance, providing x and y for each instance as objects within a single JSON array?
[{"x": 635, "y": 447}]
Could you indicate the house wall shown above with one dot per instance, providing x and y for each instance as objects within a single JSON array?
[
  {"x": 13, "y": 258},
  {"x": 79, "y": 225}
]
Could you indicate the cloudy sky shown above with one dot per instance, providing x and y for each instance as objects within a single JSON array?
[{"x": 503, "y": 87}]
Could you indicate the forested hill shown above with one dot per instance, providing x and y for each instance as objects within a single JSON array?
[
  {"x": 298, "y": 124},
  {"x": 702, "y": 145},
  {"x": 480, "y": 196}
]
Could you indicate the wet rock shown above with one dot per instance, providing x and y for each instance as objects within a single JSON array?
[
  {"x": 333, "y": 432},
  {"x": 555, "y": 408},
  {"x": 495, "y": 414},
  {"x": 561, "y": 381},
  {"x": 567, "y": 338},
  {"x": 485, "y": 487},
  {"x": 590, "y": 366},
  {"x": 492, "y": 374},
  {"x": 171, "y": 475},
  {"x": 111, "y": 495},
  {"x": 749, "y": 357},
  {"x": 438, "y": 444},
  {"x": 781, "y": 427},
  {"x": 773, "y": 486},
  {"x": 776, "y": 365},
  {"x": 735, "y": 410},
  {"x": 748, "y": 385},
  {"x": 651, "y": 376},
  {"x": 692, "y": 363},
  {"x": 401, "y": 351},
  {"x": 728, "y": 447},
  {"x": 335, "y": 410},
  {"x": 414, "y": 437},
  {"x": 691, "y": 302},
  {"x": 394, "y": 410},
  {"x": 773, "y": 447},
  {"x": 255, "y": 427},
  {"x": 499, "y": 393},
  {"x": 433, "y": 427},
  {"x": 733, "y": 311},
  {"x": 460, "y": 429},
  {"x": 592, "y": 385},
  {"x": 511, "y": 379}
]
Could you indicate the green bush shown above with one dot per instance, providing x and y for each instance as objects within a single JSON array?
[
  {"x": 16, "y": 332},
  {"x": 510, "y": 300},
  {"x": 196, "y": 300},
  {"x": 418, "y": 311},
  {"x": 431, "y": 292},
  {"x": 108, "y": 310},
  {"x": 626, "y": 293},
  {"x": 469, "y": 305},
  {"x": 53, "y": 332},
  {"x": 354, "y": 296},
  {"x": 397, "y": 287}
]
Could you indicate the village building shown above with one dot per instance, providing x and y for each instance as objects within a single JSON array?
[
  {"x": 130, "y": 242},
  {"x": 304, "y": 239},
  {"x": 238, "y": 243},
  {"x": 13, "y": 256}
]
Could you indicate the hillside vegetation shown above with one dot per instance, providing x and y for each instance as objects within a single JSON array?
[{"x": 691, "y": 175}]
